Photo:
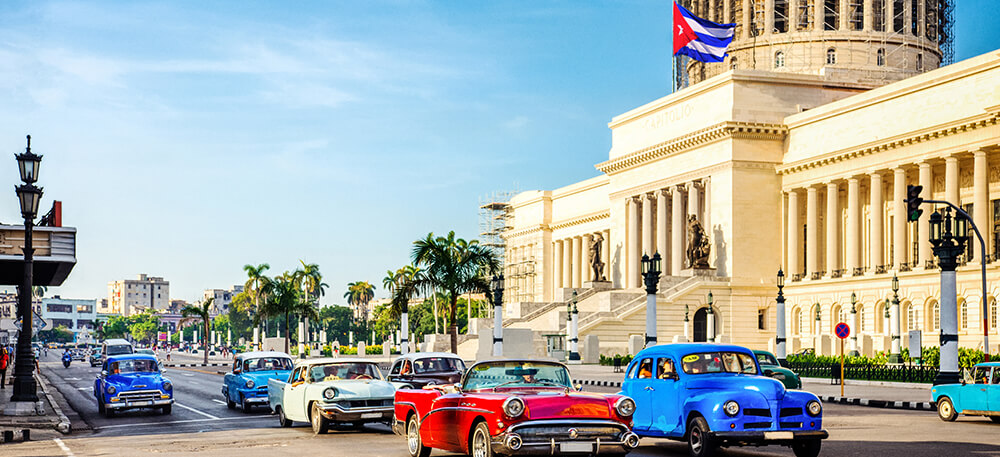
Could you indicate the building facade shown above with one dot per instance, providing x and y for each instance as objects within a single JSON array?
[
  {"x": 129, "y": 296},
  {"x": 222, "y": 298},
  {"x": 77, "y": 316}
]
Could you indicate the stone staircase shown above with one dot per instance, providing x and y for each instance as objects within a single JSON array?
[
  {"x": 548, "y": 307},
  {"x": 672, "y": 289}
]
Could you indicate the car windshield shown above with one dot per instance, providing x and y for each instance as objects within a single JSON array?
[
  {"x": 766, "y": 359},
  {"x": 516, "y": 374},
  {"x": 343, "y": 370},
  {"x": 437, "y": 365},
  {"x": 718, "y": 362},
  {"x": 133, "y": 366},
  {"x": 267, "y": 364},
  {"x": 118, "y": 350}
]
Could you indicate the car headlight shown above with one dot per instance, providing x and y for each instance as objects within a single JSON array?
[
  {"x": 814, "y": 408},
  {"x": 250, "y": 384},
  {"x": 329, "y": 393},
  {"x": 513, "y": 407},
  {"x": 731, "y": 408},
  {"x": 625, "y": 406},
  {"x": 112, "y": 390},
  {"x": 167, "y": 385}
]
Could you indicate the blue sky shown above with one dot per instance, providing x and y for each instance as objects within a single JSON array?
[{"x": 189, "y": 138}]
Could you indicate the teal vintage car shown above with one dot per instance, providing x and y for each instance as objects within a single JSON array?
[
  {"x": 977, "y": 395},
  {"x": 769, "y": 365}
]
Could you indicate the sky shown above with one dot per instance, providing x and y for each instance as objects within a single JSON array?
[{"x": 189, "y": 138}]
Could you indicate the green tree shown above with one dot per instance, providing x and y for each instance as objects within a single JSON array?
[
  {"x": 254, "y": 286},
  {"x": 194, "y": 312},
  {"x": 115, "y": 327},
  {"x": 144, "y": 327},
  {"x": 238, "y": 317},
  {"x": 336, "y": 320},
  {"x": 283, "y": 298},
  {"x": 358, "y": 295},
  {"x": 57, "y": 335},
  {"x": 453, "y": 265}
]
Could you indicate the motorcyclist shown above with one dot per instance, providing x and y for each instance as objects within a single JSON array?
[{"x": 67, "y": 357}]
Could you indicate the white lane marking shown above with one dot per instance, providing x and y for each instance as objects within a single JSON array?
[
  {"x": 218, "y": 401},
  {"x": 195, "y": 410},
  {"x": 83, "y": 388},
  {"x": 188, "y": 421},
  {"x": 187, "y": 374},
  {"x": 64, "y": 447},
  {"x": 73, "y": 379}
]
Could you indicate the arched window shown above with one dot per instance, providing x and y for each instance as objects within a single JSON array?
[
  {"x": 817, "y": 326},
  {"x": 880, "y": 57},
  {"x": 779, "y": 59},
  {"x": 732, "y": 63},
  {"x": 912, "y": 318},
  {"x": 797, "y": 321},
  {"x": 879, "y": 317},
  {"x": 842, "y": 314},
  {"x": 937, "y": 316},
  {"x": 831, "y": 56}
]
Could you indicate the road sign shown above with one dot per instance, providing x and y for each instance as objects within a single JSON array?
[{"x": 843, "y": 330}]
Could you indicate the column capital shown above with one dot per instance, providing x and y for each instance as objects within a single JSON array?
[
  {"x": 951, "y": 158},
  {"x": 665, "y": 191},
  {"x": 692, "y": 185},
  {"x": 925, "y": 164},
  {"x": 650, "y": 195},
  {"x": 977, "y": 152},
  {"x": 812, "y": 188}
]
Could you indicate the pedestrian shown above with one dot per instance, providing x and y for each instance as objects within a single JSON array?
[{"x": 4, "y": 359}]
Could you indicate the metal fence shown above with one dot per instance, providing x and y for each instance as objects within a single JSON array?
[{"x": 867, "y": 372}]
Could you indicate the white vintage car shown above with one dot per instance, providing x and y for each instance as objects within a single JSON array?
[{"x": 331, "y": 391}]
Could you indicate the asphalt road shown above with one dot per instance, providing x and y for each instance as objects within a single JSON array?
[{"x": 202, "y": 425}]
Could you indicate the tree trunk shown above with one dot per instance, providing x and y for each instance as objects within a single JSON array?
[
  {"x": 286, "y": 333},
  {"x": 204, "y": 340},
  {"x": 453, "y": 324}
]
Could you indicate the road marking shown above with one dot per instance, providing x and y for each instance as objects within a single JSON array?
[
  {"x": 64, "y": 447},
  {"x": 195, "y": 410},
  {"x": 188, "y": 374},
  {"x": 73, "y": 379},
  {"x": 83, "y": 388},
  {"x": 218, "y": 401},
  {"x": 188, "y": 421}
]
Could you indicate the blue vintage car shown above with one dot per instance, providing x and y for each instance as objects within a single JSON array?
[
  {"x": 132, "y": 381},
  {"x": 713, "y": 395},
  {"x": 246, "y": 384},
  {"x": 978, "y": 396}
]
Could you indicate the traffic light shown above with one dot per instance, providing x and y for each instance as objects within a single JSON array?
[{"x": 913, "y": 202}]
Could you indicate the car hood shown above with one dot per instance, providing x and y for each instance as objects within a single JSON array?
[
  {"x": 260, "y": 377},
  {"x": 542, "y": 404},
  {"x": 361, "y": 388},
  {"x": 136, "y": 381},
  {"x": 771, "y": 389}
]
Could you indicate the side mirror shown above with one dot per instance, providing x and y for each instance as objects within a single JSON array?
[
  {"x": 458, "y": 387},
  {"x": 963, "y": 382},
  {"x": 768, "y": 373},
  {"x": 104, "y": 373},
  {"x": 578, "y": 387}
]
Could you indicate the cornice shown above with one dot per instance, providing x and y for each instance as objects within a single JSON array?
[
  {"x": 898, "y": 141},
  {"x": 606, "y": 214},
  {"x": 525, "y": 231},
  {"x": 717, "y": 132},
  {"x": 693, "y": 175}
]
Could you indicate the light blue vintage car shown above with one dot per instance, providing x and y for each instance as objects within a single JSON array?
[
  {"x": 978, "y": 395},
  {"x": 246, "y": 384},
  {"x": 713, "y": 395},
  {"x": 132, "y": 381}
]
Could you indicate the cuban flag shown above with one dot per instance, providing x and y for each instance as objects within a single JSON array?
[{"x": 699, "y": 39}]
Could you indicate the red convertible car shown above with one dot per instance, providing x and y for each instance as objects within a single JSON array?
[{"x": 512, "y": 407}]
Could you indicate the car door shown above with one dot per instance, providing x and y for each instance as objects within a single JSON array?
[
  {"x": 993, "y": 391},
  {"x": 665, "y": 395},
  {"x": 294, "y": 399},
  {"x": 394, "y": 371},
  {"x": 641, "y": 390},
  {"x": 974, "y": 393}
]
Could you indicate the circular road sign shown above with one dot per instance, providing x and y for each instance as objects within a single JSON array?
[{"x": 842, "y": 330}]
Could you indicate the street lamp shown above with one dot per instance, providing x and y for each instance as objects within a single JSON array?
[
  {"x": 894, "y": 355},
  {"x": 651, "y": 275},
  {"x": 780, "y": 340},
  {"x": 497, "y": 295},
  {"x": 710, "y": 321},
  {"x": 854, "y": 326},
  {"x": 687, "y": 324},
  {"x": 947, "y": 246},
  {"x": 28, "y": 195},
  {"x": 572, "y": 321}
]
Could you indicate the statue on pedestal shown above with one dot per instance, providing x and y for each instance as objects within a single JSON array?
[
  {"x": 595, "y": 258},
  {"x": 698, "y": 246}
]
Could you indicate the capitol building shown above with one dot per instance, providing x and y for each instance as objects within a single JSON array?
[{"x": 794, "y": 153}]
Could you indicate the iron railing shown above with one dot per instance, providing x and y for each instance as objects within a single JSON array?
[{"x": 866, "y": 372}]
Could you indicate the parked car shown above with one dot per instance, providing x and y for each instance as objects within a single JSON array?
[
  {"x": 330, "y": 391},
  {"x": 132, "y": 381},
  {"x": 976, "y": 396},
  {"x": 95, "y": 358},
  {"x": 713, "y": 395},
  {"x": 769, "y": 364},
  {"x": 514, "y": 407},
  {"x": 419, "y": 369},
  {"x": 246, "y": 384}
]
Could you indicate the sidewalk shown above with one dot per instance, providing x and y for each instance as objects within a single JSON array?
[{"x": 43, "y": 419}]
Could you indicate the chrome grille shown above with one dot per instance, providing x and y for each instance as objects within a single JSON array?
[
  {"x": 347, "y": 404},
  {"x": 140, "y": 395},
  {"x": 542, "y": 431}
]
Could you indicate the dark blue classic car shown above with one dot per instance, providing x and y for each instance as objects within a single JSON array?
[
  {"x": 246, "y": 385},
  {"x": 132, "y": 381},
  {"x": 713, "y": 395}
]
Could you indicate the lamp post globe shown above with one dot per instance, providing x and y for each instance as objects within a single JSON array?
[
  {"x": 28, "y": 164},
  {"x": 28, "y": 195}
]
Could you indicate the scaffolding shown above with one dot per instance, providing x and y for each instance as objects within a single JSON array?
[{"x": 495, "y": 218}]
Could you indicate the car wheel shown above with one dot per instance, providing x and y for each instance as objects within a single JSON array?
[
  {"x": 946, "y": 410},
  {"x": 100, "y": 407},
  {"x": 166, "y": 409},
  {"x": 699, "y": 443},
  {"x": 319, "y": 423},
  {"x": 995, "y": 419},
  {"x": 414, "y": 444},
  {"x": 229, "y": 403},
  {"x": 247, "y": 407},
  {"x": 109, "y": 413},
  {"x": 480, "y": 445},
  {"x": 806, "y": 448},
  {"x": 282, "y": 420}
]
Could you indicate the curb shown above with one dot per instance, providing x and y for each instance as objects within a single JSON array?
[
  {"x": 182, "y": 365},
  {"x": 64, "y": 426},
  {"x": 593, "y": 382},
  {"x": 908, "y": 405}
]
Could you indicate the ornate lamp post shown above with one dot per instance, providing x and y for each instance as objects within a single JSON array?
[
  {"x": 947, "y": 246},
  {"x": 687, "y": 324},
  {"x": 817, "y": 338},
  {"x": 854, "y": 326},
  {"x": 710, "y": 320},
  {"x": 651, "y": 276},
  {"x": 497, "y": 286},
  {"x": 895, "y": 355},
  {"x": 28, "y": 195},
  {"x": 573, "y": 324},
  {"x": 780, "y": 341}
]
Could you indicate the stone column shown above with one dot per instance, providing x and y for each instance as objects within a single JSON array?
[
  {"x": 768, "y": 17},
  {"x": 844, "y": 16},
  {"x": 981, "y": 210},
  {"x": 869, "y": 15},
  {"x": 647, "y": 224},
  {"x": 586, "y": 273},
  {"x": 793, "y": 16},
  {"x": 706, "y": 210},
  {"x": 921, "y": 18},
  {"x": 875, "y": 210},
  {"x": 899, "y": 244},
  {"x": 853, "y": 234},
  {"x": 577, "y": 257},
  {"x": 747, "y": 18},
  {"x": 951, "y": 180},
  {"x": 567, "y": 260},
  {"x": 557, "y": 263},
  {"x": 662, "y": 245},
  {"x": 923, "y": 235},
  {"x": 818, "y": 19},
  {"x": 633, "y": 244},
  {"x": 908, "y": 17},
  {"x": 693, "y": 194},
  {"x": 832, "y": 227},
  {"x": 812, "y": 230},
  {"x": 677, "y": 232},
  {"x": 727, "y": 14},
  {"x": 792, "y": 249}
]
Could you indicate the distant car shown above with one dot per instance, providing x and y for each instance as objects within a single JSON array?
[
  {"x": 95, "y": 358},
  {"x": 246, "y": 385},
  {"x": 769, "y": 364},
  {"x": 419, "y": 369},
  {"x": 713, "y": 395},
  {"x": 132, "y": 381},
  {"x": 978, "y": 396}
]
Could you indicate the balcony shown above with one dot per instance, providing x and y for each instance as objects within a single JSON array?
[{"x": 55, "y": 254}]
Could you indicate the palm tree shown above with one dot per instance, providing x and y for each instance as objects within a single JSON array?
[
  {"x": 455, "y": 266},
  {"x": 254, "y": 285},
  {"x": 391, "y": 280},
  {"x": 358, "y": 295},
  {"x": 282, "y": 297},
  {"x": 309, "y": 280},
  {"x": 192, "y": 312}
]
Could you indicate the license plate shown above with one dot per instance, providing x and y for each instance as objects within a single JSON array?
[
  {"x": 576, "y": 447},
  {"x": 778, "y": 435},
  {"x": 140, "y": 403},
  {"x": 371, "y": 415}
]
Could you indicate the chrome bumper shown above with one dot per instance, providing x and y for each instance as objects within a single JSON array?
[
  {"x": 255, "y": 400},
  {"x": 511, "y": 442},
  {"x": 768, "y": 437},
  {"x": 139, "y": 404},
  {"x": 371, "y": 414}
]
